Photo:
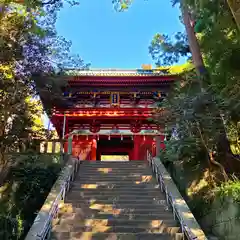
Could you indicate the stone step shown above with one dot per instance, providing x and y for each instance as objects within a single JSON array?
[
  {"x": 113, "y": 176},
  {"x": 119, "y": 180},
  {"x": 133, "y": 180},
  {"x": 116, "y": 182},
  {"x": 78, "y": 214},
  {"x": 119, "y": 204},
  {"x": 90, "y": 194},
  {"x": 135, "y": 162},
  {"x": 114, "y": 167},
  {"x": 125, "y": 195},
  {"x": 111, "y": 236},
  {"x": 115, "y": 164},
  {"x": 113, "y": 192},
  {"x": 105, "y": 170},
  {"x": 101, "y": 227},
  {"x": 119, "y": 173},
  {"x": 97, "y": 226},
  {"x": 166, "y": 218},
  {"x": 95, "y": 174},
  {"x": 124, "y": 206},
  {"x": 98, "y": 189},
  {"x": 162, "y": 213},
  {"x": 162, "y": 226},
  {"x": 108, "y": 185},
  {"x": 95, "y": 210},
  {"x": 118, "y": 200}
]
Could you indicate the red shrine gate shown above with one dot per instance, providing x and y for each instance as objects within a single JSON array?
[{"x": 107, "y": 112}]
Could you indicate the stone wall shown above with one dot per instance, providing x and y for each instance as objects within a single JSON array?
[{"x": 221, "y": 217}]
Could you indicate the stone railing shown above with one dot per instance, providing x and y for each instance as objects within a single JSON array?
[
  {"x": 181, "y": 211},
  {"x": 41, "y": 228}
]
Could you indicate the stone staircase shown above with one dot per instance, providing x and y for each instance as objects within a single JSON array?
[{"x": 115, "y": 200}]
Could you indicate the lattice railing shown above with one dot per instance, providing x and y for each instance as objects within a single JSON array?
[
  {"x": 181, "y": 211},
  {"x": 41, "y": 228}
]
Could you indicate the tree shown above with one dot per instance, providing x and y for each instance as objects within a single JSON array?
[
  {"x": 29, "y": 45},
  {"x": 205, "y": 109}
]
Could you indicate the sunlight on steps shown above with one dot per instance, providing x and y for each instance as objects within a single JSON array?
[
  {"x": 117, "y": 202},
  {"x": 144, "y": 179},
  {"x": 105, "y": 170},
  {"x": 106, "y": 208},
  {"x": 89, "y": 186},
  {"x": 114, "y": 158}
]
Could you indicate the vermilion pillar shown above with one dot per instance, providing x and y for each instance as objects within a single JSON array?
[
  {"x": 136, "y": 149},
  {"x": 94, "y": 150},
  {"x": 66, "y": 127}
]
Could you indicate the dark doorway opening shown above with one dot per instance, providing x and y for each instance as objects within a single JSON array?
[{"x": 114, "y": 148}]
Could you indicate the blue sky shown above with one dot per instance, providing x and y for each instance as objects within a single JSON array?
[{"x": 108, "y": 39}]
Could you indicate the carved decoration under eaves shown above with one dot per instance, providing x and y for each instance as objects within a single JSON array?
[
  {"x": 158, "y": 110},
  {"x": 95, "y": 98},
  {"x": 94, "y": 127},
  {"x": 136, "y": 126},
  {"x": 148, "y": 127},
  {"x": 157, "y": 95},
  {"x": 115, "y": 128},
  {"x": 135, "y": 98},
  {"x": 83, "y": 104}
]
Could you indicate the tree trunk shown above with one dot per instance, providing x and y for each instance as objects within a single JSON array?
[
  {"x": 210, "y": 155},
  {"x": 3, "y": 165},
  {"x": 193, "y": 43},
  {"x": 223, "y": 143}
]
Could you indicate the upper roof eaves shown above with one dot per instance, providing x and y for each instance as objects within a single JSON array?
[{"x": 116, "y": 72}]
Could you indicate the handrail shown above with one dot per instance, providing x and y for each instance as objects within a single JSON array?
[
  {"x": 41, "y": 228},
  {"x": 189, "y": 225}
]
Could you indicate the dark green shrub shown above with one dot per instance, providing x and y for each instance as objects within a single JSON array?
[{"x": 27, "y": 186}]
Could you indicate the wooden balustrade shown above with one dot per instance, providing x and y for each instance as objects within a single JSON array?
[
  {"x": 42, "y": 146},
  {"x": 51, "y": 146}
]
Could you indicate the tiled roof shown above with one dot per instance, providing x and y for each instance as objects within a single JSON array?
[{"x": 116, "y": 72}]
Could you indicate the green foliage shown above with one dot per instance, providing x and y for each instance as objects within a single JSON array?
[
  {"x": 205, "y": 117},
  {"x": 205, "y": 113},
  {"x": 27, "y": 186},
  {"x": 121, "y": 5},
  {"x": 181, "y": 149},
  {"x": 220, "y": 41},
  {"x": 166, "y": 52},
  {"x": 230, "y": 189},
  {"x": 194, "y": 117},
  {"x": 29, "y": 46}
]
